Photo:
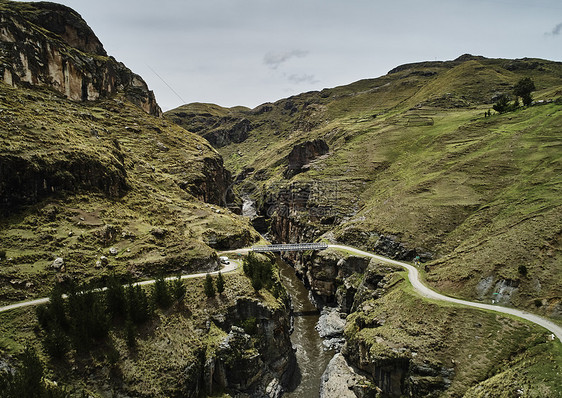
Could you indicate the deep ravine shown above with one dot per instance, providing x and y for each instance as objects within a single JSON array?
[{"x": 312, "y": 358}]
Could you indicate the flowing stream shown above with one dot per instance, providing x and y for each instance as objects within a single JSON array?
[{"x": 312, "y": 358}]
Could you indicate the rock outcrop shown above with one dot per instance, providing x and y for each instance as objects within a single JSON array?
[
  {"x": 255, "y": 356},
  {"x": 25, "y": 181},
  {"x": 342, "y": 381},
  {"x": 302, "y": 154},
  {"x": 47, "y": 44}
]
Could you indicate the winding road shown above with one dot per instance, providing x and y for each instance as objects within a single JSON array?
[{"x": 413, "y": 276}]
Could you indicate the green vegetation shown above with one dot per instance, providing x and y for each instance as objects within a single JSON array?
[
  {"x": 480, "y": 194},
  {"x": 28, "y": 381},
  {"x": 150, "y": 356},
  {"x": 209, "y": 286},
  {"x": 161, "y": 294},
  {"x": 523, "y": 89},
  {"x": 128, "y": 181},
  {"x": 481, "y": 352},
  {"x": 259, "y": 270},
  {"x": 220, "y": 283}
]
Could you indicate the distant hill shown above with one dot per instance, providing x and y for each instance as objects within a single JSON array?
[{"x": 417, "y": 169}]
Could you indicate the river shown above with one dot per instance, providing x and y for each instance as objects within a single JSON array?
[{"x": 312, "y": 358}]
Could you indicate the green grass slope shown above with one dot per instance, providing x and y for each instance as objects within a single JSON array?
[
  {"x": 81, "y": 178},
  {"x": 415, "y": 159}
]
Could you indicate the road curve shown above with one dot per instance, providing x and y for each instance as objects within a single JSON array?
[
  {"x": 423, "y": 290},
  {"x": 413, "y": 276},
  {"x": 233, "y": 264}
]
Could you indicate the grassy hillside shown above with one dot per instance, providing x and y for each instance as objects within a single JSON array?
[
  {"x": 415, "y": 159},
  {"x": 81, "y": 178}
]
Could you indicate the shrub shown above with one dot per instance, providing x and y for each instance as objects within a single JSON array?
[{"x": 522, "y": 270}]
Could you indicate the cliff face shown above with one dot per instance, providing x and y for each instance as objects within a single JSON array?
[
  {"x": 257, "y": 358},
  {"x": 50, "y": 45}
]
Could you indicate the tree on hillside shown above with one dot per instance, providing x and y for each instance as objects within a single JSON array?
[
  {"x": 178, "y": 289},
  {"x": 220, "y": 283},
  {"x": 523, "y": 89},
  {"x": 161, "y": 295},
  {"x": 209, "y": 286},
  {"x": 502, "y": 104}
]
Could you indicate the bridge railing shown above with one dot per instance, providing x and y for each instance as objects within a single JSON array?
[{"x": 293, "y": 247}]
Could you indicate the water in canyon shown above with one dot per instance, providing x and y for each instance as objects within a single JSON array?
[{"x": 312, "y": 358}]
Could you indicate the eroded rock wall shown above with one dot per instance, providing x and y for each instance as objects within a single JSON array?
[
  {"x": 51, "y": 45},
  {"x": 256, "y": 359}
]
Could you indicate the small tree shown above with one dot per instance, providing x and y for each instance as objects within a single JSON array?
[
  {"x": 502, "y": 104},
  {"x": 138, "y": 307},
  {"x": 523, "y": 89},
  {"x": 209, "y": 286},
  {"x": 160, "y": 293},
  {"x": 178, "y": 288},
  {"x": 220, "y": 283},
  {"x": 55, "y": 342}
]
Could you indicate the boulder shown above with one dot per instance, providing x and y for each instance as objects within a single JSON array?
[{"x": 57, "y": 263}]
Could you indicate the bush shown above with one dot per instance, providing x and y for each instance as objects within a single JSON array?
[
  {"x": 522, "y": 270},
  {"x": 250, "y": 325},
  {"x": 503, "y": 105},
  {"x": 2, "y": 254}
]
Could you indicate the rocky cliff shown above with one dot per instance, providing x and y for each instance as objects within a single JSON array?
[
  {"x": 391, "y": 343},
  {"x": 50, "y": 45},
  {"x": 255, "y": 355}
]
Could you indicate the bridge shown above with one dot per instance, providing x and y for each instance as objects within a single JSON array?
[{"x": 293, "y": 247}]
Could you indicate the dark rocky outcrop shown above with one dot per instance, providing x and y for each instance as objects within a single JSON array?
[
  {"x": 236, "y": 131},
  {"x": 50, "y": 45},
  {"x": 211, "y": 182},
  {"x": 301, "y": 155},
  {"x": 26, "y": 181},
  {"x": 255, "y": 357}
]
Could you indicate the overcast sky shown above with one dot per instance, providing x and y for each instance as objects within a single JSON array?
[{"x": 247, "y": 52}]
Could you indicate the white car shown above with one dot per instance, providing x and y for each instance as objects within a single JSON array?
[{"x": 224, "y": 260}]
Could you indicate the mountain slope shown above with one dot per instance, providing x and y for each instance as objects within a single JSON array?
[
  {"x": 418, "y": 170},
  {"x": 83, "y": 174}
]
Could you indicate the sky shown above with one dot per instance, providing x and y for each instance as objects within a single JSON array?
[{"x": 248, "y": 52}]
